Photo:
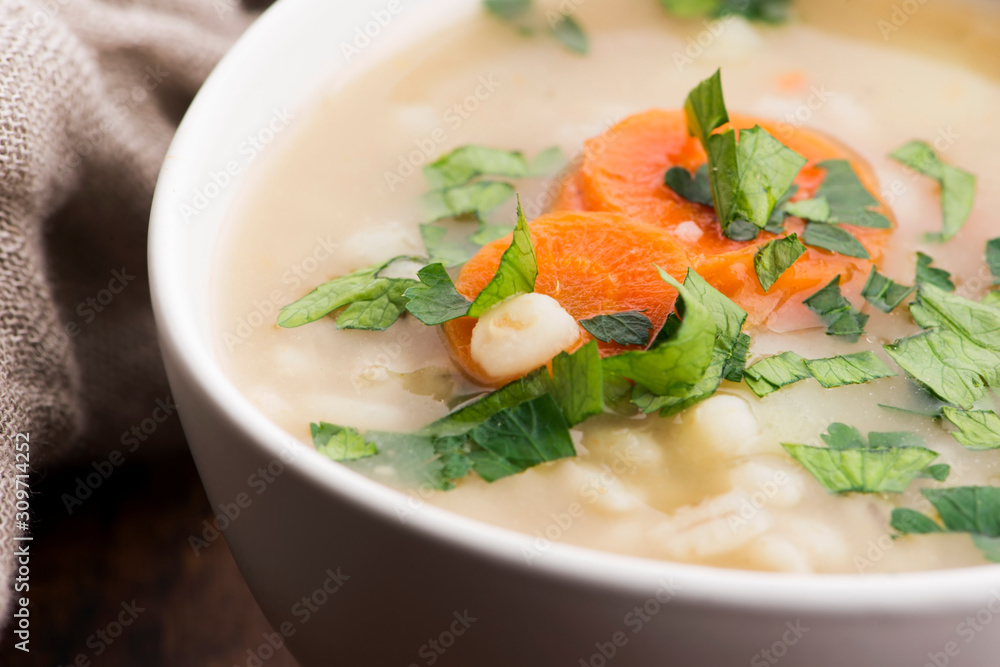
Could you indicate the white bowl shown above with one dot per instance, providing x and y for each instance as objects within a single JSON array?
[{"x": 405, "y": 575}]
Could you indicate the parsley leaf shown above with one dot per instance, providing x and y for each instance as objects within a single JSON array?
[
  {"x": 883, "y": 293},
  {"x": 469, "y": 162},
  {"x": 993, "y": 259},
  {"x": 436, "y": 301},
  {"x": 767, "y": 11},
  {"x": 626, "y": 328},
  {"x": 965, "y": 509},
  {"x": 519, "y": 438},
  {"x": 577, "y": 383},
  {"x": 508, "y": 10},
  {"x": 817, "y": 209},
  {"x": 958, "y": 187},
  {"x": 771, "y": 374},
  {"x": 673, "y": 365},
  {"x": 928, "y": 274},
  {"x": 341, "y": 443},
  {"x": 977, "y": 429},
  {"x": 378, "y": 310},
  {"x": 856, "y": 368},
  {"x": 705, "y": 109},
  {"x": 379, "y": 300},
  {"x": 863, "y": 470},
  {"x": 728, "y": 354},
  {"x": 837, "y": 312},
  {"x": 476, "y": 199},
  {"x": 517, "y": 271},
  {"x": 547, "y": 163},
  {"x": 531, "y": 386},
  {"x": 567, "y": 31},
  {"x": 775, "y": 257},
  {"x": 835, "y": 239},
  {"x": 849, "y": 200},
  {"x": 692, "y": 187},
  {"x": 749, "y": 177}
]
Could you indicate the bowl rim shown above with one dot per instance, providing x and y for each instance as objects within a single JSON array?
[{"x": 843, "y": 594}]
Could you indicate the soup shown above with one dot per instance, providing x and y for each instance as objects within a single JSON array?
[{"x": 824, "y": 474}]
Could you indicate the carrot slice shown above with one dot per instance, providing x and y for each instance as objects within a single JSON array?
[
  {"x": 592, "y": 264},
  {"x": 622, "y": 172}
]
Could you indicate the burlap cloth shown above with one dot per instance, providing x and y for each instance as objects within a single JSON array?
[{"x": 90, "y": 94}]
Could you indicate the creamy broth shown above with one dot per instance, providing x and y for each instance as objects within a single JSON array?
[{"x": 710, "y": 485}]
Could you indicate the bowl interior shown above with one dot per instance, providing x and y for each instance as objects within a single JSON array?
[{"x": 295, "y": 51}]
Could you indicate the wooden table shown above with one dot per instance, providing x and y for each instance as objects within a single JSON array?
[{"x": 124, "y": 557}]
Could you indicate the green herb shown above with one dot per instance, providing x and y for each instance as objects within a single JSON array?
[
  {"x": 776, "y": 257},
  {"x": 675, "y": 364},
  {"x": 748, "y": 178},
  {"x": 441, "y": 249},
  {"x": 341, "y": 443},
  {"x": 375, "y": 302},
  {"x": 993, "y": 259},
  {"x": 508, "y": 10},
  {"x": 705, "y": 109},
  {"x": 771, "y": 374},
  {"x": 436, "y": 301},
  {"x": 991, "y": 299},
  {"x": 837, "y": 312},
  {"x": 958, "y": 187},
  {"x": 519, "y": 438},
  {"x": 886, "y": 440},
  {"x": 487, "y": 233},
  {"x": 776, "y": 224},
  {"x": 939, "y": 472},
  {"x": 379, "y": 310},
  {"x": 736, "y": 362},
  {"x": 863, "y": 470},
  {"x": 767, "y": 11},
  {"x": 928, "y": 274},
  {"x": 478, "y": 199},
  {"x": 835, "y": 239},
  {"x": 883, "y": 293},
  {"x": 626, "y": 328},
  {"x": 517, "y": 271},
  {"x": 533, "y": 385},
  {"x": 568, "y": 32},
  {"x": 817, "y": 209},
  {"x": 967, "y": 509},
  {"x": 977, "y": 323},
  {"x": 856, "y": 368},
  {"x": 931, "y": 414},
  {"x": 728, "y": 353},
  {"x": 692, "y": 187},
  {"x": 577, "y": 383},
  {"x": 977, "y": 429},
  {"x": 850, "y": 201},
  {"x": 469, "y": 162}
]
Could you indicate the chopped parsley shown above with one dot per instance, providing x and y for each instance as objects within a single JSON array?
[
  {"x": 857, "y": 368},
  {"x": 517, "y": 271},
  {"x": 675, "y": 363},
  {"x": 958, "y": 353},
  {"x": 373, "y": 302},
  {"x": 436, "y": 301},
  {"x": 993, "y": 259},
  {"x": 766, "y": 11},
  {"x": 885, "y": 463},
  {"x": 748, "y": 177},
  {"x": 884, "y": 293},
  {"x": 958, "y": 187},
  {"x": 469, "y": 162},
  {"x": 478, "y": 199},
  {"x": 849, "y": 200},
  {"x": 578, "y": 383},
  {"x": 977, "y": 429},
  {"x": 932, "y": 275},
  {"x": 840, "y": 317},
  {"x": 966, "y": 509},
  {"x": 561, "y": 26},
  {"x": 626, "y": 328},
  {"x": 341, "y": 443},
  {"x": 771, "y": 374},
  {"x": 692, "y": 187},
  {"x": 568, "y": 32},
  {"x": 728, "y": 356},
  {"x": 833, "y": 238},
  {"x": 775, "y": 257}
]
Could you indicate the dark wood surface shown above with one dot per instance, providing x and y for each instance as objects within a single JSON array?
[{"x": 128, "y": 542}]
